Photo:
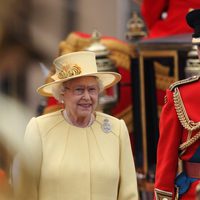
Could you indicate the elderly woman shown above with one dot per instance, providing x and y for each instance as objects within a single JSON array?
[{"x": 76, "y": 153}]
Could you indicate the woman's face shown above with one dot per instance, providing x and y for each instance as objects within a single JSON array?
[{"x": 81, "y": 96}]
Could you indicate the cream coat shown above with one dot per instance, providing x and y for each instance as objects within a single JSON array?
[{"x": 71, "y": 163}]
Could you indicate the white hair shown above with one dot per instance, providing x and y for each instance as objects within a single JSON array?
[{"x": 58, "y": 89}]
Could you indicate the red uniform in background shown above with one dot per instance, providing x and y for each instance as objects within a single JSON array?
[
  {"x": 180, "y": 134},
  {"x": 180, "y": 117},
  {"x": 174, "y": 23}
]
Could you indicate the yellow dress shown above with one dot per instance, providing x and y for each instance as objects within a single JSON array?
[{"x": 72, "y": 163}]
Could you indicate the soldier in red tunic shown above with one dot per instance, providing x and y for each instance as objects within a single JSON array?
[
  {"x": 180, "y": 134},
  {"x": 167, "y": 17}
]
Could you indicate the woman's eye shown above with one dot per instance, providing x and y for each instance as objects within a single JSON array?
[
  {"x": 93, "y": 90},
  {"x": 79, "y": 90}
]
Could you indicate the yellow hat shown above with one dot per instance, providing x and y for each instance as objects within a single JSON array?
[{"x": 75, "y": 65}]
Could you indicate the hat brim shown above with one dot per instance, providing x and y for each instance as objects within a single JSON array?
[{"x": 108, "y": 79}]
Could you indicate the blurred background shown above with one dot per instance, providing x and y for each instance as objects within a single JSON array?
[{"x": 30, "y": 32}]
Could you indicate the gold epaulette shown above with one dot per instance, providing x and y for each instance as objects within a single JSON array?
[{"x": 184, "y": 81}]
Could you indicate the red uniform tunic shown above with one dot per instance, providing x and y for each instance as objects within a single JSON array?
[
  {"x": 181, "y": 109},
  {"x": 174, "y": 23}
]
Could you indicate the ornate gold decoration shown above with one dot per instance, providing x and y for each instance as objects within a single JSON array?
[
  {"x": 127, "y": 116},
  {"x": 163, "y": 82},
  {"x": 120, "y": 51},
  {"x": 162, "y": 195},
  {"x": 183, "y": 146},
  {"x": 136, "y": 27},
  {"x": 189, "y": 142},
  {"x": 182, "y": 114},
  {"x": 161, "y": 69},
  {"x": 184, "y": 81},
  {"x": 69, "y": 71},
  {"x": 185, "y": 121},
  {"x": 163, "y": 79}
]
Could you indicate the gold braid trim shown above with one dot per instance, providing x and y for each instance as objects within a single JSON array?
[
  {"x": 182, "y": 114},
  {"x": 183, "y": 146},
  {"x": 161, "y": 194},
  {"x": 189, "y": 142},
  {"x": 127, "y": 116},
  {"x": 184, "y": 81}
]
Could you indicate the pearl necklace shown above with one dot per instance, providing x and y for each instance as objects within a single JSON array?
[{"x": 92, "y": 118}]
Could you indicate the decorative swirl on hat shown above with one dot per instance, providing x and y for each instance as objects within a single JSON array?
[{"x": 69, "y": 71}]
